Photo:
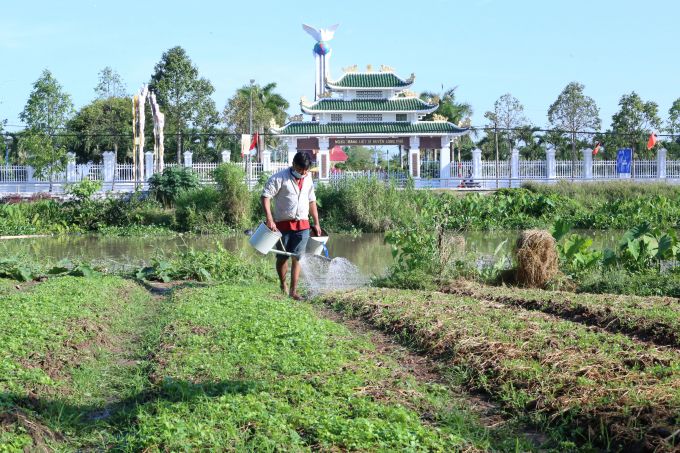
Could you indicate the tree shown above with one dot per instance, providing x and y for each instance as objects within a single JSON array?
[
  {"x": 272, "y": 102},
  {"x": 46, "y": 112},
  {"x": 507, "y": 115},
  {"x": 574, "y": 112},
  {"x": 236, "y": 114},
  {"x": 636, "y": 118},
  {"x": 184, "y": 97},
  {"x": 454, "y": 112},
  {"x": 111, "y": 91},
  {"x": 673, "y": 123}
]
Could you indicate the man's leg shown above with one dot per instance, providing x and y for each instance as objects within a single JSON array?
[
  {"x": 281, "y": 269},
  {"x": 294, "y": 276}
]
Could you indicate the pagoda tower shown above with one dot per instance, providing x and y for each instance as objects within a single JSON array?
[{"x": 370, "y": 108}]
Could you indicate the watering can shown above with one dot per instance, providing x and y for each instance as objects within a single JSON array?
[{"x": 264, "y": 240}]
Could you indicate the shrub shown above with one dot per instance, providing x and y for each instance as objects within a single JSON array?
[
  {"x": 235, "y": 198},
  {"x": 167, "y": 186}
]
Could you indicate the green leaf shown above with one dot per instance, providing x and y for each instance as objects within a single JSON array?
[
  {"x": 500, "y": 246},
  {"x": 145, "y": 272},
  {"x": 608, "y": 257},
  {"x": 24, "y": 274},
  {"x": 57, "y": 270},
  {"x": 573, "y": 245},
  {"x": 634, "y": 233},
  {"x": 560, "y": 228},
  {"x": 206, "y": 274},
  {"x": 634, "y": 248}
]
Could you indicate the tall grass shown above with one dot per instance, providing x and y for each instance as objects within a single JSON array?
[
  {"x": 369, "y": 205},
  {"x": 589, "y": 193}
]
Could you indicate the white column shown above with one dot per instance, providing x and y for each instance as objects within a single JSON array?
[
  {"x": 587, "y": 164},
  {"x": 323, "y": 159},
  {"x": 188, "y": 158},
  {"x": 550, "y": 166},
  {"x": 226, "y": 156},
  {"x": 445, "y": 162},
  {"x": 292, "y": 149},
  {"x": 477, "y": 166},
  {"x": 514, "y": 168},
  {"x": 30, "y": 177},
  {"x": 661, "y": 163},
  {"x": 414, "y": 157},
  {"x": 148, "y": 161},
  {"x": 266, "y": 160},
  {"x": 109, "y": 168},
  {"x": 71, "y": 168}
]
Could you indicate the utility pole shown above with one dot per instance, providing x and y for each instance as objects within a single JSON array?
[
  {"x": 496, "y": 138},
  {"x": 8, "y": 140}
]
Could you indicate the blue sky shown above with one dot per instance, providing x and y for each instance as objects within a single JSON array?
[{"x": 531, "y": 49}]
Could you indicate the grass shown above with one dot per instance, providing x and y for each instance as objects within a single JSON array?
[
  {"x": 592, "y": 193},
  {"x": 98, "y": 364},
  {"x": 55, "y": 338},
  {"x": 243, "y": 370},
  {"x": 657, "y": 318},
  {"x": 601, "y": 389}
]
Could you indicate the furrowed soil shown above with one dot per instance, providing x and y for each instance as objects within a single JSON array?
[
  {"x": 106, "y": 364},
  {"x": 603, "y": 390},
  {"x": 653, "y": 319}
]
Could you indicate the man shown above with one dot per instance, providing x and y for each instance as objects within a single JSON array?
[{"x": 293, "y": 192}]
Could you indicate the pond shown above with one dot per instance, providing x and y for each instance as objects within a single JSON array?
[{"x": 366, "y": 250}]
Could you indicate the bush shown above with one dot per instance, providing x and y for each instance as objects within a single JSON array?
[
  {"x": 199, "y": 210},
  {"x": 167, "y": 186},
  {"x": 370, "y": 205},
  {"x": 235, "y": 198}
]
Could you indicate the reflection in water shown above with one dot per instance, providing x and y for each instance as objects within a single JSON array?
[{"x": 367, "y": 251}]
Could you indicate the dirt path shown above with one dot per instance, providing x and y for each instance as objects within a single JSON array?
[{"x": 428, "y": 370}]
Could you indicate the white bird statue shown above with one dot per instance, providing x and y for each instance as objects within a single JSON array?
[{"x": 322, "y": 53}]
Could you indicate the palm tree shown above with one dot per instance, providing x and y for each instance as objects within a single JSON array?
[
  {"x": 271, "y": 101},
  {"x": 454, "y": 112}
]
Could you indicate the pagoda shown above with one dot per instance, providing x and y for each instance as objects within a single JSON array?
[{"x": 371, "y": 108}]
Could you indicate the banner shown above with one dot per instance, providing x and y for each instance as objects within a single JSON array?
[
  {"x": 245, "y": 144},
  {"x": 368, "y": 141},
  {"x": 623, "y": 160}
]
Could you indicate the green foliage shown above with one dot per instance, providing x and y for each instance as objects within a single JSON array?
[
  {"x": 235, "y": 198},
  {"x": 82, "y": 190},
  {"x": 217, "y": 264},
  {"x": 183, "y": 96},
  {"x": 174, "y": 180},
  {"x": 573, "y": 111}
]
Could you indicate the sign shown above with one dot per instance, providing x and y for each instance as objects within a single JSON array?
[
  {"x": 245, "y": 144},
  {"x": 368, "y": 141},
  {"x": 623, "y": 160}
]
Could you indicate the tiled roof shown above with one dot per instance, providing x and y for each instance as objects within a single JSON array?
[
  {"x": 369, "y": 80},
  {"x": 378, "y": 105},
  {"x": 421, "y": 127}
]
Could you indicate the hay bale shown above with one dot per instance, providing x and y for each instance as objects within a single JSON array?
[{"x": 536, "y": 258}]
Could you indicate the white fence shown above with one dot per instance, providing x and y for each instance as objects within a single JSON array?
[{"x": 433, "y": 174}]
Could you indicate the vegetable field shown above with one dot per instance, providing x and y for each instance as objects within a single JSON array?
[{"x": 603, "y": 371}]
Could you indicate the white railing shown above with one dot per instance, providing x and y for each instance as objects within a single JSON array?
[
  {"x": 532, "y": 169},
  {"x": 276, "y": 167},
  {"x": 125, "y": 172},
  {"x": 205, "y": 169},
  {"x": 604, "y": 169},
  {"x": 13, "y": 173},
  {"x": 645, "y": 168},
  {"x": 563, "y": 169}
]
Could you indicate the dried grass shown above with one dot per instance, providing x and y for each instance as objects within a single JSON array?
[{"x": 536, "y": 258}]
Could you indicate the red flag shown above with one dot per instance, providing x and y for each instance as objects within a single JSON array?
[
  {"x": 597, "y": 148},
  {"x": 652, "y": 141},
  {"x": 254, "y": 143}
]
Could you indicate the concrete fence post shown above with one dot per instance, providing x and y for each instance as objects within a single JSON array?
[
  {"x": 266, "y": 160},
  {"x": 514, "y": 168},
  {"x": 71, "y": 168},
  {"x": 188, "y": 159},
  {"x": 226, "y": 156},
  {"x": 587, "y": 164},
  {"x": 550, "y": 165},
  {"x": 109, "y": 168},
  {"x": 148, "y": 158},
  {"x": 661, "y": 163}
]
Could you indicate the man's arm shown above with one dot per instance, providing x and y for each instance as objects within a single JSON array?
[
  {"x": 315, "y": 217},
  {"x": 267, "y": 207}
]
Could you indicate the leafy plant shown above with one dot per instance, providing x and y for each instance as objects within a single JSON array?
[{"x": 174, "y": 180}]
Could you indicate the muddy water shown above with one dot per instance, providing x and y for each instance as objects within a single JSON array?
[{"x": 367, "y": 251}]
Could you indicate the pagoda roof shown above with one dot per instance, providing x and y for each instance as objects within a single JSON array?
[
  {"x": 369, "y": 80},
  {"x": 372, "y": 105},
  {"x": 420, "y": 127}
]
